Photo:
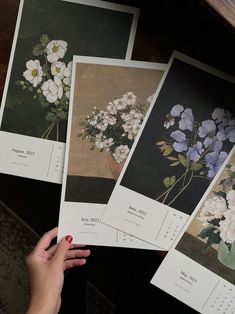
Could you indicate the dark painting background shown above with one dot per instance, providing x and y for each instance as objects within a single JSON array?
[
  {"x": 88, "y": 31},
  {"x": 192, "y": 88}
]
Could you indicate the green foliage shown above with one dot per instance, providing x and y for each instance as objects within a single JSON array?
[
  {"x": 212, "y": 235},
  {"x": 184, "y": 161},
  {"x": 195, "y": 166},
  {"x": 169, "y": 181}
]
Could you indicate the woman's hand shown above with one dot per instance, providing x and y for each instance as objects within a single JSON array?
[{"x": 46, "y": 265}]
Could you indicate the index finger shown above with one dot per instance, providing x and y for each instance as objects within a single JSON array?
[{"x": 46, "y": 239}]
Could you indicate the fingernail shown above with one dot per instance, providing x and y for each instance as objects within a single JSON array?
[{"x": 69, "y": 238}]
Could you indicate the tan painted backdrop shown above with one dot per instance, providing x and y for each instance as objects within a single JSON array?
[{"x": 97, "y": 85}]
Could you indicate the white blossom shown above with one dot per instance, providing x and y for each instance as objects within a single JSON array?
[
  {"x": 67, "y": 74},
  {"x": 52, "y": 90},
  {"x": 111, "y": 108},
  {"x": 58, "y": 68},
  {"x": 121, "y": 153},
  {"x": 227, "y": 227},
  {"x": 119, "y": 104},
  {"x": 56, "y": 50},
  {"x": 213, "y": 208},
  {"x": 102, "y": 142},
  {"x": 129, "y": 98},
  {"x": 102, "y": 120},
  {"x": 34, "y": 72},
  {"x": 132, "y": 123},
  {"x": 150, "y": 98},
  {"x": 231, "y": 199}
]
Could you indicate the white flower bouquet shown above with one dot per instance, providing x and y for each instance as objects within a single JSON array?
[
  {"x": 114, "y": 129},
  {"x": 218, "y": 218},
  {"x": 49, "y": 79}
]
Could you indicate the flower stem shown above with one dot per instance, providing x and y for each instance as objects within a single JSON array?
[
  {"x": 48, "y": 131},
  {"x": 170, "y": 188},
  {"x": 189, "y": 181}
]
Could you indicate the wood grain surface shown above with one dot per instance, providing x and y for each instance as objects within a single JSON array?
[{"x": 226, "y": 8}]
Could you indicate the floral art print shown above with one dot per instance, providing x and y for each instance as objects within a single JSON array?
[
  {"x": 210, "y": 237},
  {"x": 108, "y": 111},
  {"x": 115, "y": 129},
  {"x": 195, "y": 147},
  {"x": 41, "y": 67},
  {"x": 186, "y": 139},
  {"x": 48, "y": 79}
]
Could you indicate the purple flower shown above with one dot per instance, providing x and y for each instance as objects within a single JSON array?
[
  {"x": 194, "y": 152},
  {"x": 231, "y": 134},
  {"x": 214, "y": 161},
  {"x": 187, "y": 119},
  {"x": 208, "y": 127},
  {"x": 181, "y": 143},
  {"x": 221, "y": 134},
  {"x": 221, "y": 116},
  {"x": 226, "y": 133},
  {"x": 218, "y": 115},
  {"x": 214, "y": 143},
  {"x": 176, "y": 110}
]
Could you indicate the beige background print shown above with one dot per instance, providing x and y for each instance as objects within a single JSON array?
[{"x": 97, "y": 85}]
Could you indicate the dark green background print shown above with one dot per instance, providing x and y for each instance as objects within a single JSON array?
[{"x": 87, "y": 30}]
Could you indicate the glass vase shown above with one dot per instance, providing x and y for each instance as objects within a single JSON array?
[{"x": 226, "y": 255}]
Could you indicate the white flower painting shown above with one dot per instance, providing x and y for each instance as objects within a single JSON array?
[
  {"x": 115, "y": 129},
  {"x": 50, "y": 79}
]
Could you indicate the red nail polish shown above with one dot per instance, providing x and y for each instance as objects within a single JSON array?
[{"x": 69, "y": 238}]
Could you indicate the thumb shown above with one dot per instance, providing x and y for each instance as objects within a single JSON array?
[{"x": 62, "y": 249}]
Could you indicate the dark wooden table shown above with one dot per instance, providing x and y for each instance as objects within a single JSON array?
[{"x": 189, "y": 26}]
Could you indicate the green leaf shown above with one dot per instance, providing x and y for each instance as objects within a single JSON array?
[
  {"x": 174, "y": 164},
  {"x": 220, "y": 193},
  {"x": 167, "y": 151},
  {"x": 205, "y": 233},
  {"x": 160, "y": 143},
  {"x": 172, "y": 180},
  {"x": 62, "y": 115},
  {"x": 44, "y": 39},
  {"x": 38, "y": 50},
  {"x": 214, "y": 238},
  {"x": 184, "y": 161},
  {"x": 172, "y": 158},
  {"x": 166, "y": 182},
  {"x": 51, "y": 117},
  {"x": 195, "y": 166}
]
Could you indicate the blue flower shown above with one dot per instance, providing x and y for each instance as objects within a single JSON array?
[
  {"x": 181, "y": 143},
  {"x": 214, "y": 143},
  {"x": 221, "y": 116},
  {"x": 218, "y": 115},
  {"x": 187, "y": 119},
  {"x": 214, "y": 161},
  {"x": 176, "y": 110},
  {"x": 226, "y": 133},
  {"x": 231, "y": 134},
  {"x": 208, "y": 127},
  {"x": 194, "y": 152}
]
